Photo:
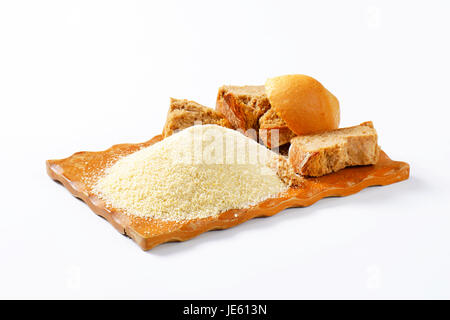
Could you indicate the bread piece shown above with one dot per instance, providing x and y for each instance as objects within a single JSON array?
[
  {"x": 242, "y": 105},
  {"x": 303, "y": 103},
  {"x": 285, "y": 171},
  {"x": 184, "y": 113},
  {"x": 273, "y": 131},
  {"x": 319, "y": 154},
  {"x": 247, "y": 108}
]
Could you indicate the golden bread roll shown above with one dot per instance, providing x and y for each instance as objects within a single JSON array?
[{"x": 303, "y": 103}]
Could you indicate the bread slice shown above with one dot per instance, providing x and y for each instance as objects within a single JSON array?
[
  {"x": 184, "y": 113},
  {"x": 319, "y": 154},
  {"x": 248, "y": 108},
  {"x": 273, "y": 131}
]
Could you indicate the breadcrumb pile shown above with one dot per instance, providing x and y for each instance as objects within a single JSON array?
[{"x": 199, "y": 172}]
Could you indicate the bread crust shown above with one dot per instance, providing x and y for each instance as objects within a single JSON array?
[{"x": 344, "y": 147}]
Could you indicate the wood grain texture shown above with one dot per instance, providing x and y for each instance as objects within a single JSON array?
[{"x": 79, "y": 172}]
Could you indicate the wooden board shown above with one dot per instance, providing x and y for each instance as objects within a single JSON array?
[{"x": 79, "y": 172}]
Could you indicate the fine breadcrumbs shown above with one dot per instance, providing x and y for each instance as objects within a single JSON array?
[{"x": 199, "y": 172}]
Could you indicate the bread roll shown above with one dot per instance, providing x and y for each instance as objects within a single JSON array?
[{"x": 303, "y": 103}]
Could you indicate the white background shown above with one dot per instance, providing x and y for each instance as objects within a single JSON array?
[{"x": 84, "y": 75}]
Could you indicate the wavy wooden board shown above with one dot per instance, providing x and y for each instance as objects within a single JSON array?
[{"x": 79, "y": 172}]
